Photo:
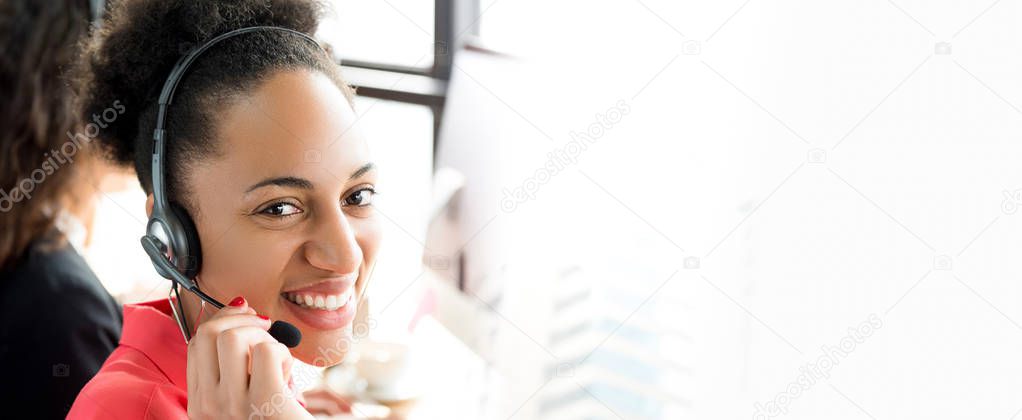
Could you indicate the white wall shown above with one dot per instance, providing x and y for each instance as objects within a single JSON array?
[{"x": 824, "y": 161}]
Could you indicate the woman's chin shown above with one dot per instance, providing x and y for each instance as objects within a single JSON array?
[{"x": 324, "y": 348}]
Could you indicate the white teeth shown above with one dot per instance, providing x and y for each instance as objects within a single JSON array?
[{"x": 324, "y": 302}]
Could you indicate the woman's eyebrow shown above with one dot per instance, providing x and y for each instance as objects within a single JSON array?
[
  {"x": 361, "y": 171},
  {"x": 283, "y": 181},
  {"x": 302, "y": 183}
]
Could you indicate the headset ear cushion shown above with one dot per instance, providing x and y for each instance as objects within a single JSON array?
[{"x": 194, "y": 258}]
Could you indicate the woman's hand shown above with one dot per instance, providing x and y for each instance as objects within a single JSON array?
[
  {"x": 236, "y": 370},
  {"x": 325, "y": 401}
]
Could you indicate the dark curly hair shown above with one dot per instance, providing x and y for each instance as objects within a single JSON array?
[
  {"x": 39, "y": 42},
  {"x": 129, "y": 60}
]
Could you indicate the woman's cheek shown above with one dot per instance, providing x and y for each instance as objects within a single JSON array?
[
  {"x": 250, "y": 271},
  {"x": 369, "y": 236}
]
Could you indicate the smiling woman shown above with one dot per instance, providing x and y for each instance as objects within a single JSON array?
[{"x": 263, "y": 159}]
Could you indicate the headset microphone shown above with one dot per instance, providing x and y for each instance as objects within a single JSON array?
[{"x": 282, "y": 331}]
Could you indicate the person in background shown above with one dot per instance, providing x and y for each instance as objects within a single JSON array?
[{"x": 57, "y": 322}]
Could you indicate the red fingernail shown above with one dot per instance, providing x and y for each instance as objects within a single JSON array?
[
  {"x": 238, "y": 301},
  {"x": 264, "y": 317}
]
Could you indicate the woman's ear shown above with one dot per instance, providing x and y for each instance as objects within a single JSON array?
[{"x": 149, "y": 205}]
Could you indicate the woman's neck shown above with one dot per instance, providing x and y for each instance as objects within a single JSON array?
[{"x": 194, "y": 311}]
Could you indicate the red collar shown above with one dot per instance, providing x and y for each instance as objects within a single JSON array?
[{"x": 150, "y": 328}]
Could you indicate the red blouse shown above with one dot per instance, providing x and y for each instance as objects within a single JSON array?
[{"x": 146, "y": 375}]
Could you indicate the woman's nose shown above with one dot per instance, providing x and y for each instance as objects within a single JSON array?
[{"x": 335, "y": 246}]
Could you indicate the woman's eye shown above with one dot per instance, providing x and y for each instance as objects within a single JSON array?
[
  {"x": 361, "y": 198},
  {"x": 281, "y": 209}
]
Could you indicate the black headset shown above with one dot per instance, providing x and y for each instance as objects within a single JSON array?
[{"x": 171, "y": 240}]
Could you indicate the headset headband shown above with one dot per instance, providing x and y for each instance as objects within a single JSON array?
[
  {"x": 167, "y": 96},
  {"x": 96, "y": 11}
]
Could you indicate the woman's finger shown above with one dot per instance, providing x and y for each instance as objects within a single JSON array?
[
  {"x": 269, "y": 358},
  {"x": 202, "y": 346},
  {"x": 234, "y": 347}
]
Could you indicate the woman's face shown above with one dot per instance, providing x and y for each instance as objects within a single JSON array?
[{"x": 285, "y": 212}]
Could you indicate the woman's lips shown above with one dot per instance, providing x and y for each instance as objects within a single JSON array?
[
  {"x": 322, "y": 319},
  {"x": 327, "y": 308}
]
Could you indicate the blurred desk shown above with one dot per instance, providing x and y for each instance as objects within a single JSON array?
[{"x": 455, "y": 382}]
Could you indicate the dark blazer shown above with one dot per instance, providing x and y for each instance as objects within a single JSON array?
[{"x": 57, "y": 326}]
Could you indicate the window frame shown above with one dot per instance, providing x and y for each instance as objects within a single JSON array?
[{"x": 427, "y": 85}]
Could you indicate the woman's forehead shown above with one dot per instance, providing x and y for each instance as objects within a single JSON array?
[
  {"x": 295, "y": 122},
  {"x": 304, "y": 105}
]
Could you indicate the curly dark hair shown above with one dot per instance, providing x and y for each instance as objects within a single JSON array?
[
  {"x": 131, "y": 56},
  {"x": 39, "y": 42}
]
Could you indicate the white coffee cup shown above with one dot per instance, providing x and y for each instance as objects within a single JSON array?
[{"x": 383, "y": 364}]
